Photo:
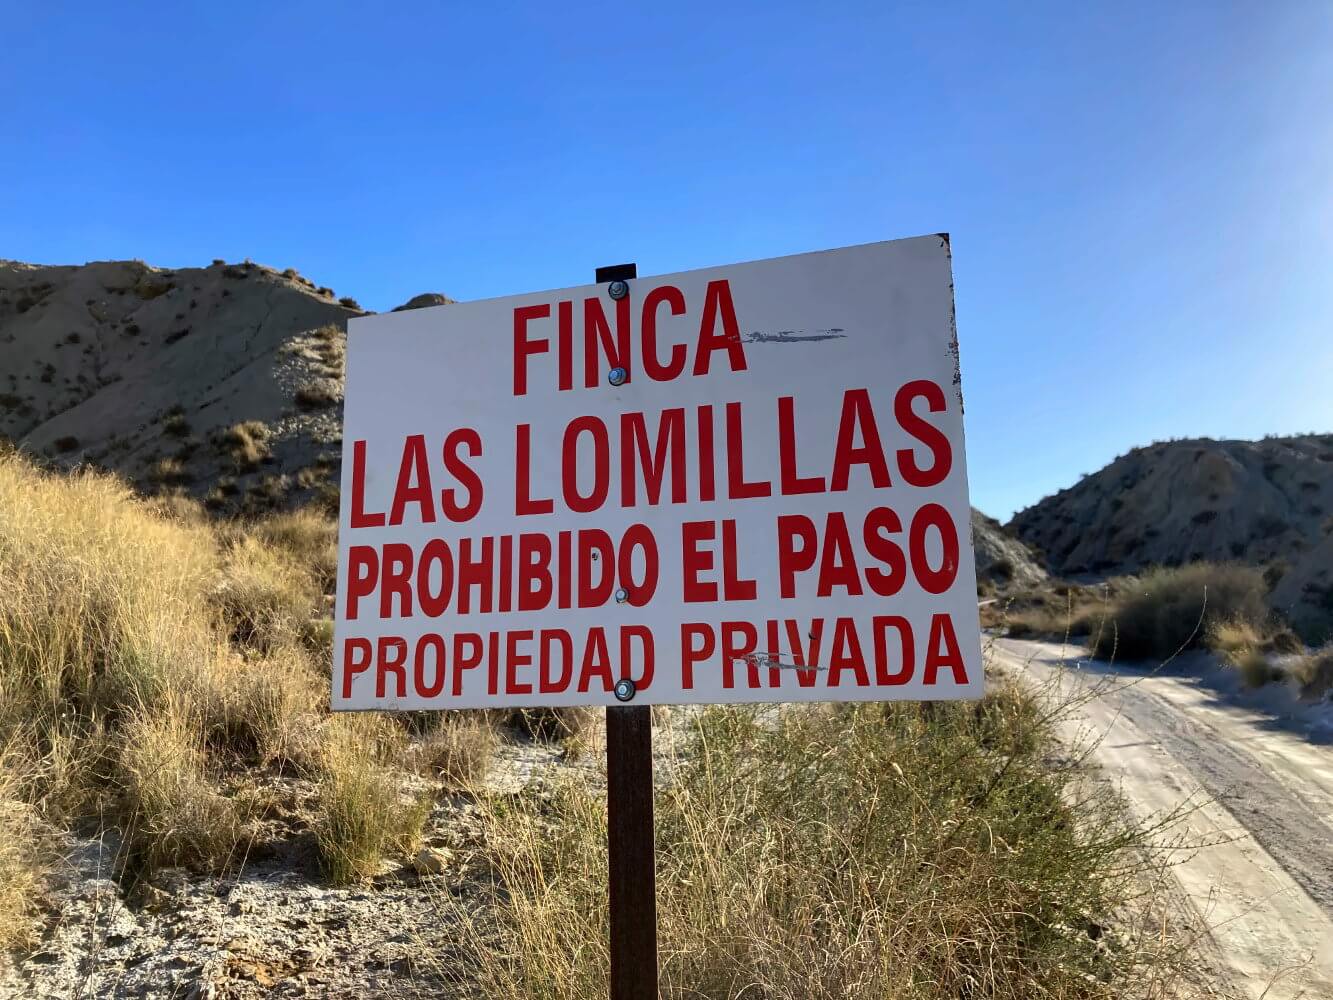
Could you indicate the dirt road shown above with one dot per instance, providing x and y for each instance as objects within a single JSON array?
[{"x": 1266, "y": 780}]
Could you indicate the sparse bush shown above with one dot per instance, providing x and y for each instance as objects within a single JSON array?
[
  {"x": 1167, "y": 610},
  {"x": 176, "y": 425},
  {"x": 457, "y": 748},
  {"x": 246, "y": 443},
  {"x": 1314, "y": 672},
  {"x": 259, "y": 711},
  {"x": 169, "y": 471},
  {"x": 363, "y": 816},
  {"x": 67, "y": 443},
  {"x": 553, "y": 724},
  {"x": 318, "y": 395},
  {"x": 24, "y": 851},
  {"x": 350, "y": 303}
]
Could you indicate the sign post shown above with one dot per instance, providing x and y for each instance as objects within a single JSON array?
[
  {"x": 738, "y": 484},
  {"x": 631, "y": 858}
]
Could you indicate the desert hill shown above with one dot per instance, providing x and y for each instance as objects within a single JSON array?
[
  {"x": 1267, "y": 503},
  {"x": 223, "y": 382},
  {"x": 1002, "y": 560}
]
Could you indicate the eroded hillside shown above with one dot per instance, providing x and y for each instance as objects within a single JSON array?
[{"x": 224, "y": 382}]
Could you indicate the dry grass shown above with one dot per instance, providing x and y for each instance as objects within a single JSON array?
[
  {"x": 122, "y": 696},
  {"x": 457, "y": 748},
  {"x": 553, "y": 724},
  {"x": 24, "y": 854},
  {"x": 265, "y": 597},
  {"x": 309, "y": 537},
  {"x": 815, "y": 852},
  {"x": 364, "y": 816},
  {"x": 319, "y": 395},
  {"x": 174, "y": 814}
]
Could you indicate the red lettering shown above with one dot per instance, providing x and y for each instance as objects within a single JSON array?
[
  {"x": 942, "y": 651},
  {"x": 359, "y": 518},
  {"x": 881, "y": 625},
  {"x": 514, "y": 659},
  {"x": 837, "y": 565},
  {"x": 391, "y": 658},
  {"x": 548, "y": 682},
  {"x": 793, "y": 560},
  {"x": 596, "y": 661},
  {"x": 670, "y": 444},
  {"x": 534, "y": 573},
  {"x": 638, "y": 536},
  {"x": 718, "y": 304},
  {"x": 846, "y": 654},
  {"x": 429, "y": 641},
  {"x": 739, "y": 640},
  {"x": 734, "y": 587},
  {"x": 396, "y": 580},
  {"x": 601, "y": 465},
  {"x": 695, "y": 560},
  {"x": 475, "y": 573},
  {"x": 597, "y": 332},
  {"x": 934, "y": 581},
  {"x": 525, "y": 348},
  {"x": 465, "y": 661},
  {"x": 924, "y": 431},
  {"x": 691, "y": 653},
  {"x": 363, "y": 567},
  {"x": 792, "y": 484},
  {"x": 463, "y": 473},
  {"x": 858, "y": 414},
  {"x": 523, "y": 502},
  {"x": 737, "y": 487},
  {"x": 595, "y": 546},
  {"x": 675, "y": 300},
  {"x": 878, "y": 522},
  {"x": 413, "y": 482},
  {"x": 352, "y": 664}
]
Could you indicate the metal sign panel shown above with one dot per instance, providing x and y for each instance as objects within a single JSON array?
[{"x": 737, "y": 484}]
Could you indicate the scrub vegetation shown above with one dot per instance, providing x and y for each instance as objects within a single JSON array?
[
  {"x": 1222, "y": 607},
  {"x": 841, "y": 851},
  {"x": 163, "y": 680}
]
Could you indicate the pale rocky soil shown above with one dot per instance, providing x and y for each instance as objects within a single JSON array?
[
  {"x": 1258, "y": 766},
  {"x": 275, "y": 929}
]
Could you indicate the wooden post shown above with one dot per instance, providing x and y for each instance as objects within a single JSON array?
[{"x": 633, "y": 877}]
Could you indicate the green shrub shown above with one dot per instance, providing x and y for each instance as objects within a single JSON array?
[
  {"x": 1168, "y": 610},
  {"x": 812, "y": 852}
]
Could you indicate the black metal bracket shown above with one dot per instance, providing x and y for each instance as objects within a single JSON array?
[{"x": 617, "y": 272}]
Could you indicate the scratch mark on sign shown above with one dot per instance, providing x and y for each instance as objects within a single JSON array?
[
  {"x": 794, "y": 336},
  {"x": 774, "y": 660}
]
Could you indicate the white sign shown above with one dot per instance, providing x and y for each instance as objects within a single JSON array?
[{"x": 766, "y": 502}]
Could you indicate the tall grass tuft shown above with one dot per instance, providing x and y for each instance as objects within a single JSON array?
[
  {"x": 174, "y": 813},
  {"x": 364, "y": 817}
]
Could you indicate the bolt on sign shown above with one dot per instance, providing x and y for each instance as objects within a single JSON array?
[{"x": 736, "y": 484}]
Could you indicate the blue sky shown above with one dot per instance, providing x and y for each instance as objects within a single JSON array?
[{"x": 1140, "y": 195}]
